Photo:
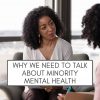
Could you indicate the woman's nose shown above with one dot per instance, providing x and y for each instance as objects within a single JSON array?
[{"x": 50, "y": 28}]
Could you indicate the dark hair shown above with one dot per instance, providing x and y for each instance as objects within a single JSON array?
[
  {"x": 91, "y": 26},
  {"x": 30, "y": 26}
]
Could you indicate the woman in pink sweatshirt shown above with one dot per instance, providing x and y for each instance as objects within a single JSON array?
[{"x": 91, "y": 32}]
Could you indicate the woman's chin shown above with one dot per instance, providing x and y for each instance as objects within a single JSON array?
[{"x": 53, "y": 37}]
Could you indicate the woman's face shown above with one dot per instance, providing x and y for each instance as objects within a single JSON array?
[{"x": 47, "y": 28}]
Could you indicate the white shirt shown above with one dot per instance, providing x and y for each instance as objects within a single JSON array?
[{"x": 62, "y": 51}]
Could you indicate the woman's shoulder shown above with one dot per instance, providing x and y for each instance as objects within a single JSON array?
[
  {"x": 98, "y": 68},
  {"x": 64, "y": 42},
  {"x": 28, "y": 53},
  {"x": 28, "y": 49}
]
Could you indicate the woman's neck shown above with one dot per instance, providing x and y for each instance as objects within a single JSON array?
[{"x": 48, "y": 42}]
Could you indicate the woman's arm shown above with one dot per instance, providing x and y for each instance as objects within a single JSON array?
[{"x": 97, "y": 83}]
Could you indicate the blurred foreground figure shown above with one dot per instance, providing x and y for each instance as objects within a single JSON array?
[{"x": 91, "y": 32}]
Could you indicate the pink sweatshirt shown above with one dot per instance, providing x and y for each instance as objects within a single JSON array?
[{"x": 97, "y": 84}]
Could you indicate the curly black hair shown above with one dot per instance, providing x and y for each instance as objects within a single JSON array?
[
  {"x": 91, "y": 25},
  {"x": 31, "y": 25}
]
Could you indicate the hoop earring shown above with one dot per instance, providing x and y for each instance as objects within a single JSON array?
[{"x": 39, "y": 38}]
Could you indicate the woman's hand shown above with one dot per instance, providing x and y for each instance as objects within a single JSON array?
[
  {"x": 27, "y": 95},
  {"x": 47, "y": 88},
  {"x": 51, "y": 88},
  {"x": 60, "y": 97}
]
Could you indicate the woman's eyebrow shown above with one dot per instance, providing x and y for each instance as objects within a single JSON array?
[
  {"x": 50, "y": 20},
  {"x": 42, "y": 25}
]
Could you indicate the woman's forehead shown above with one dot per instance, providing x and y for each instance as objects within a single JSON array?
[{"x": 44, "y": 20}]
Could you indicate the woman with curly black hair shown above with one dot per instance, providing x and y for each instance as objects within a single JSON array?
[
  {"x": 91, "y": 32},
  {"x": 42, "y": 30},
  {"x": 91, "y": 26}
]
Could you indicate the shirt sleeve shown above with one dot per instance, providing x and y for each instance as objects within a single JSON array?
[
  {"x": 69, "y": 54},
  {"x": 97, "y": 84},
  {"x": 27, "y": 53},
  {"x": 98, "y": 74},
  {"x": 67, "y": 51}
]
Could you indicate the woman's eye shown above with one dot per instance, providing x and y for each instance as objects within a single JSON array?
[{"x": 43, "y": 28}]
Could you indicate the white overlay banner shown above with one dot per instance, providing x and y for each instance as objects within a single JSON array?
[{"x": 50, "y": 73}]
